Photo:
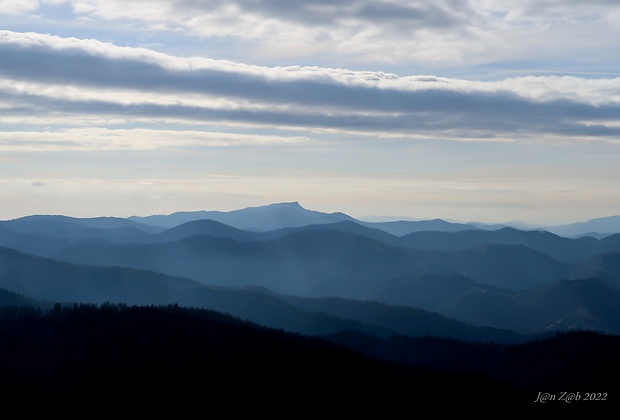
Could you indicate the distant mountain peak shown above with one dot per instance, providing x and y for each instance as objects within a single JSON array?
[
  {"x": 288, "y": 204},
  {"x": 292, "y": 205},
  {"x": 259, "y": 218}
]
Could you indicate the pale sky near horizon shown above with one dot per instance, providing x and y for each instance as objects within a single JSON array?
[{"x": 472, "y": 110}]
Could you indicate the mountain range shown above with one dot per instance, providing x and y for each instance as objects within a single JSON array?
[
  {"x": 292, "y": 214},
  {"x": 482, "y": 277},
  {"x": 500, "y": 308}
]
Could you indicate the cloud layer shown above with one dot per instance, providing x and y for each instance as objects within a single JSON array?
[
  {"x": 454, "y": 109},
  {"x": 422, "y": 34},
  {"x": 49, "y": 75}
]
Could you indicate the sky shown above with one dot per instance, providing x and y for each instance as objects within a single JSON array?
[{"x": 471, "y": 110}]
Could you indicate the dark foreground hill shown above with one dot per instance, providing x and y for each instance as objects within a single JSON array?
[{"x": 170, "y": 360}]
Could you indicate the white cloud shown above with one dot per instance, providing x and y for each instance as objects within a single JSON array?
[
  {"x": 44, "y": 75},
  {"x": 351, "y": 28},
  {"x": 101, "y": 139},
  {"x": 18, "y": 7},
  {"x": 399, "y": 33},
  {"x": 130, "y": 60}
]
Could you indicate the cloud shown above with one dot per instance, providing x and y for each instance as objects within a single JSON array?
[
  {"x": 102, "y": 139},
  {"x": 277, "y": 13},
  {"x": 399, "y": 33},
  {"x": 68, "y": 76},
  {"x": 351, "y": 27},
  {"x": 552, "y": 11},
  {"x": 18, "y": 7},
  {"x": 395, "y": 32}
]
